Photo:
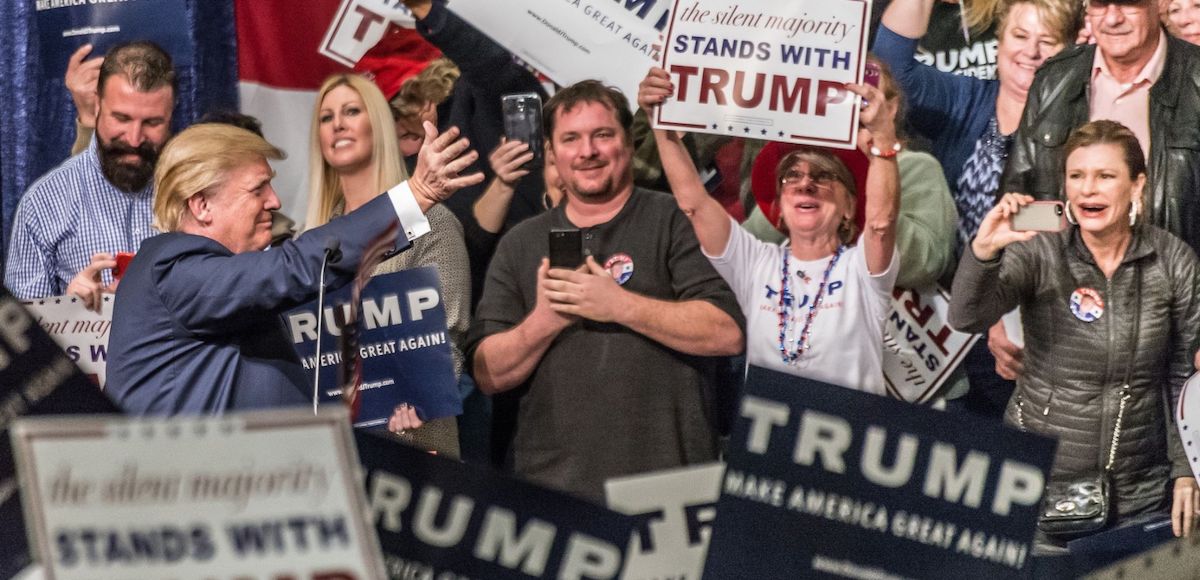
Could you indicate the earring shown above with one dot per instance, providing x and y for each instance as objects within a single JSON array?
[
  {"x": 1070, "y": 216},
  {"x": 1133, "y": 212}
]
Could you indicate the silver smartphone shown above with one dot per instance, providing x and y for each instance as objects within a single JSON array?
[{"x": 1040, "y": 216}]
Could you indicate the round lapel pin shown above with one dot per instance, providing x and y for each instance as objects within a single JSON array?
[
  {"x": 620, "y": 267},
  {"x": 1087, "y": 305}
]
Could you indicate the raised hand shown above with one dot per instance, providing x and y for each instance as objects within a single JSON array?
[
  {"x": 876, "y": 119},
  {"x": 655, "y": 89},
  {"x": 510, "y": 161},
  {"x": 439, "y": 162},
  {"x": 995, "y": 232},
  {"x": 81, "y": 79}
]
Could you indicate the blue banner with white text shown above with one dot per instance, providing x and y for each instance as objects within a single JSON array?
[
  {"x": 439, "y": 518},
  {"x": 824, "y": 481},
  {"x": 65, "y": 25},
  {"x": 403, "y": 346}
]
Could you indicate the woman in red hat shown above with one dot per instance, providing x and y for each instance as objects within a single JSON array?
[{"x": 815, "y": 305}]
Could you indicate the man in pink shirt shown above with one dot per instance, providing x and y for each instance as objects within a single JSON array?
[{"x": 1136, "y": 75}]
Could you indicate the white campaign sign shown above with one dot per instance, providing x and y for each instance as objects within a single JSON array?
[
  {"x": 674, "y": 510},
  {"x": 574, "y": 40},
  {"x": 262, "y": 495},
  {"x": 920, "y": 350},
  {"x": 81, "y": 333},
  {"x": 766, "y": 69},
  {"x": 1187, "y": 418}
]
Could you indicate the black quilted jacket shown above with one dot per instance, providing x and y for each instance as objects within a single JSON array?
[{"x": 1075, "y": 370}]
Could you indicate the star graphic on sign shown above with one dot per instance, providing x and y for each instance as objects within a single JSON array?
[
  {"x": 746, "y": 129},
  {"x": 781, "y": 133},
  {"x": 731, "y": 127},
  {"x": 764, "y": 131},
  {"x": 714, "y": 125}
]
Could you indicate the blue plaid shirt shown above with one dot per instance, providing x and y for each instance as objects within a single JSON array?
[{"x": 66, "y": 216}]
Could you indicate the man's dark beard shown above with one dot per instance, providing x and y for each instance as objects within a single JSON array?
[{"x": 125, "y": 176}]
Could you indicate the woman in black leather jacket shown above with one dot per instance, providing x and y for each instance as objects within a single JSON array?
[{"x": 1111, "y": 312}]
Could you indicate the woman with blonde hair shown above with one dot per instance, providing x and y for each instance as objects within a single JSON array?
[{"x": 354, "y": 157}]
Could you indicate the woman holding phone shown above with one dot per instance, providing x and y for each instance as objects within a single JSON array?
[{"x": 1111, "y": 312}]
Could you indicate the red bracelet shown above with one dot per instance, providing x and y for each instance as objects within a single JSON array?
[{"x": 876, "y": 152}]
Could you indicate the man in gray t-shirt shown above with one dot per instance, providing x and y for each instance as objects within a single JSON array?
[{"x": 611, "y": 362}]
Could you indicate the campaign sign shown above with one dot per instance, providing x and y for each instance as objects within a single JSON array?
[
  {"x": 257, "y": 495},
  {"x": 403, "y": 346},
  {"x": 36, "y": 378},
  {"x": 439, "y": 518},
  {"x": 82, "y": 333},
  {"x": 766, "y": 69},
  {"x": 574, "y": 40},
  {"x": 673, "y": 511},
  {"x": 920, "y": 350},
  {"x": 1187, "y": 420},
  {"x": 824, "y": 481},
  {"x": 66, "y": 25},
  {"x": 359, "y": 25}
]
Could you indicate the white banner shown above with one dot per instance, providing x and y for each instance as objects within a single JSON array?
[
  {"x": 574, "y": 40},
  {"x": 359, "y": 25},
  {"x": 673, "y": 512},
  {"x": 81, "y": 333},
  {"x": 920, "y": 350},
  {"x": 259, "y": 495},
  {"x": 766, "y": 69}
]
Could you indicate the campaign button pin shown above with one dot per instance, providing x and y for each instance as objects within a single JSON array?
[
  {"x": 620, "y": 267},
  {"x": 1087, "y": 305}
]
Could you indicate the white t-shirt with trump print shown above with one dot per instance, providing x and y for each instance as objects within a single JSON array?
[{"x": 846, "y": 337}]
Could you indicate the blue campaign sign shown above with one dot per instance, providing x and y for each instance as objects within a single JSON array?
[
  {"x": 65, "y": 25},
  {"x": 402, "y": 343},
  {"x": 824, "y": 481},
  {"x": 439, "y": 518},
  {"x": 36, "y": 378}
]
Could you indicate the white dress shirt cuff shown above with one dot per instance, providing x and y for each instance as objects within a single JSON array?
[{"x": 412, "y": 219}]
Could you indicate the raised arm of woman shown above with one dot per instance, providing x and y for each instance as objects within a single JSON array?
[
  {"x": 709, "y": 220},
  {"x": 877, "y": 140}
]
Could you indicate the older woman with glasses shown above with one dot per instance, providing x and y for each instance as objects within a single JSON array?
[{"x": 815, "y": 305}]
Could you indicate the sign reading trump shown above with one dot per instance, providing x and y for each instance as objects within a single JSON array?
[
  {"x": 403, "y": 348},
  {"x": 765, "y": 69},
  {"x": 878, "y": 478}
]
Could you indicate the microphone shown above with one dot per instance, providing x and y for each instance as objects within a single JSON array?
[{"x": 333, "y": 251}]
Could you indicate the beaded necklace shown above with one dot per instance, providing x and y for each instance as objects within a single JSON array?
[{"x": 803, "y": 342}]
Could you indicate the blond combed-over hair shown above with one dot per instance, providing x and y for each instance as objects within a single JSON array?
[{"x": 199, "y": 160}]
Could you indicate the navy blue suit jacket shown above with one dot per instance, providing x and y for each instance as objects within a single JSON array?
[{"x": 197, "y": 328}]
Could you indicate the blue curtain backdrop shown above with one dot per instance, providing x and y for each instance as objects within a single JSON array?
[{"x": 37, "y": 116}]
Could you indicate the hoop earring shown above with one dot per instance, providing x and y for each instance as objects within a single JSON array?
[
  {"x": 1070, "y": 216},
  {"x": 1133, "y": 212}
]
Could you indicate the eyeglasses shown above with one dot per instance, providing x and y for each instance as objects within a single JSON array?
[
  {"x": 818, "y": 178},
  {"x": 1126, "y": 6}
]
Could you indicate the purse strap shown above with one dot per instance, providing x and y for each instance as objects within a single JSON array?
[{"x": 1125, "y": 388}]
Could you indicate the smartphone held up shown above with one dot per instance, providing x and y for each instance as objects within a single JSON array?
[
  {"x": 523, "y": 122},
  {"x": 1040, "y": 216}
]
